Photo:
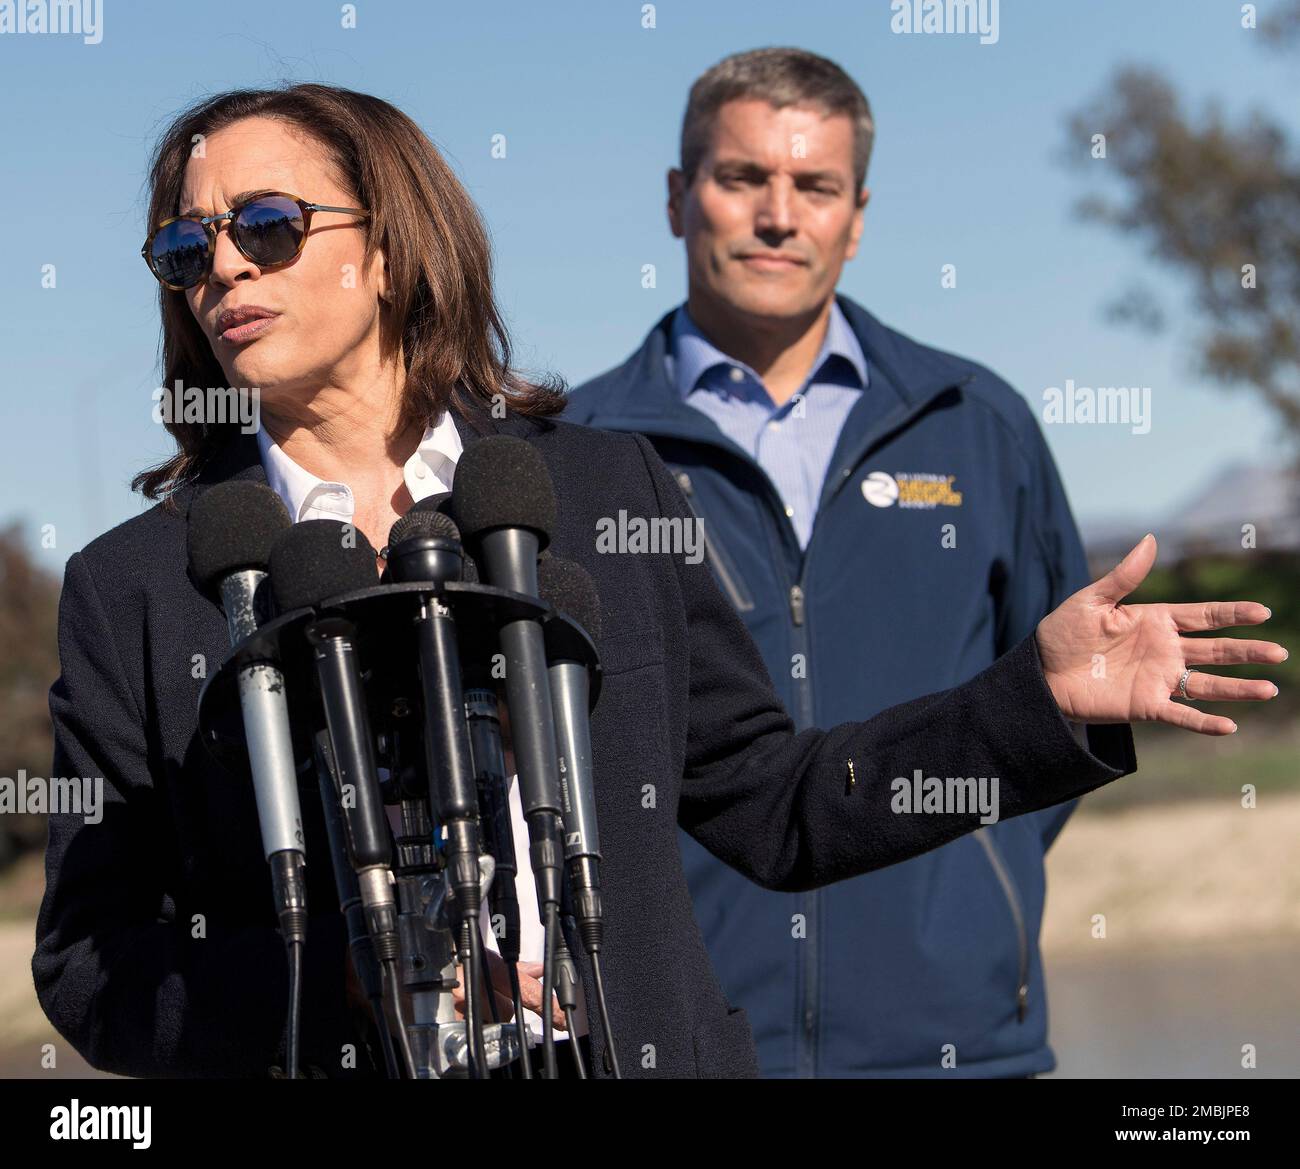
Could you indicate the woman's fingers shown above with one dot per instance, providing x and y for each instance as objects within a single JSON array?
[
  {"x": 505, "y": 1008},
  {"x": 530, "y": 980},
  {"x": 505, "y": 1004},
  {"x": 1194, "y": 616},
  {"x": 1214, "y": 688},
  {"x": 530, "y": 992},
  {"x": 1179, "y": 714},
  {"x": 1230, "y": 651}
]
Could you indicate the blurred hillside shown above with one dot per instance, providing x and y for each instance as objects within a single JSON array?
[{"x": 29, "y": 663}]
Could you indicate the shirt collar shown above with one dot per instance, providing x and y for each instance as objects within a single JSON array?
[
  {"x": 694, "y": 355},
  {"x": 429, "y": 470}
]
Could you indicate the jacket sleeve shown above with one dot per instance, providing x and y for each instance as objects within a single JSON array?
[
  {"x": 120, "y": 976},
  {"x": 794, "y": 811},
  {"x": 1049, "y": 565}
]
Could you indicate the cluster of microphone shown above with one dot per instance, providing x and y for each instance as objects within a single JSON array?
[{"x": 390, "y": 689}]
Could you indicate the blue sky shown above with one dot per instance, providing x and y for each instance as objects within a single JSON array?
[{"x": 966, "y": 170}]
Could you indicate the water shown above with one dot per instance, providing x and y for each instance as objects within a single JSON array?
[{"x": 1178, "y": 1013}]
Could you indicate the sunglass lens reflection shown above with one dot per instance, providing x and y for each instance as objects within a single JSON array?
[
  {"x": 179, "y": 253},
  {"x": 269, "y": 230}
]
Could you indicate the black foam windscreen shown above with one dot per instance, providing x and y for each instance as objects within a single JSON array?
[
  {"x": 423, "y": 522},
  {"x": 233, "y": 525},
  {"x": 568, "y": 587},
  {"x": 317, "y": 559},
  {"x": 502, "y": 482}
]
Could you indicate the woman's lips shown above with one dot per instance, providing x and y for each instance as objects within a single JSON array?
[{"x": 238, "y": 334}]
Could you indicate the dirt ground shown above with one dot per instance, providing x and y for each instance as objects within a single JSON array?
[{"x": 1208, "y": 871}]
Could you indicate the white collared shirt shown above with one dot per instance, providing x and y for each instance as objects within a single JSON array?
[{"x": 428, "y": 471}]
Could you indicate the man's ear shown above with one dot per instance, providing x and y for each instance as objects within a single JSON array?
[
  {"x": 676, "y": 194},
  {"x": 855, "y": 228}
]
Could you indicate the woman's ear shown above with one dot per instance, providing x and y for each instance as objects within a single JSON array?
[{"x": 382, "y": 279}]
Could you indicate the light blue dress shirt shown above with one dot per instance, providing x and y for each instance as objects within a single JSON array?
[{"x": 793, "y": 443}]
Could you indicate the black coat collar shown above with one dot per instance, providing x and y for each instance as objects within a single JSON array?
[{"x": 242, "y": 457}]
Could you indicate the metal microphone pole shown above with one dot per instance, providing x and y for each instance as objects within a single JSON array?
[{"x": 349, "y": 891}]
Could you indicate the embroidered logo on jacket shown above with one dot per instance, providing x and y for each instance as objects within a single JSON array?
[{"x": 922, "y": 489}]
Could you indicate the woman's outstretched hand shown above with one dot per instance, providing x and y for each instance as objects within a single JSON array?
[{"x": 1106, "y": 662}]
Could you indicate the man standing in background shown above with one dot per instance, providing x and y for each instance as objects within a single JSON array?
[{"x": 862, "y": 495}]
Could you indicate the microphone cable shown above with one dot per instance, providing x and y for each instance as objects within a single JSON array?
[
  {"x": 567, "y": 977},
  {"x": 516, "y": 993},
  {"x": 548, "y": 983},
  {"x": 599, "y": 979},
  {"x": 295, "y": 948},
  {"x": 389, "y": 968},
  {"x": 472, "y": 968},
  {"x": 287, "y": 879}
]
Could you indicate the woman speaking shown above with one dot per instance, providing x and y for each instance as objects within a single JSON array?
[{"x": 314, "y": 250}]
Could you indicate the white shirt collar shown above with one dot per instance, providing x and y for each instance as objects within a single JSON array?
[{"x": 428, "y": 471}]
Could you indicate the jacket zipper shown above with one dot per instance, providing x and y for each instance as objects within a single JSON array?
[
  {"x": 728, "y": 575},
  {"x": 810, "y": 902},
  {"x": 992, "y": 851}
]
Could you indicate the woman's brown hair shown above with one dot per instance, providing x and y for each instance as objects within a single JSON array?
[{"x": 442, "y": 313}]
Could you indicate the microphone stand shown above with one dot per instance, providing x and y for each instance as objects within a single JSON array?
[
  {"x": 349, "y": 891},
  {"x": 484, "y": 722},
  {"x": 368, "y": 839},
  {"x": 428, "y": 956}
]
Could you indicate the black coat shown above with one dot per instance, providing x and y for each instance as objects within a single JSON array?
[{"x": 687, "y": 731}]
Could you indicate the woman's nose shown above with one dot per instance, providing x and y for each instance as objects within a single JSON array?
[{"x": 228, "y": 262}]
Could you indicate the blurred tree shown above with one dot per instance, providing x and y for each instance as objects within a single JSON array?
[
  {"x": 29, "y": 663},
  {"x": 1220, "y": 205}
]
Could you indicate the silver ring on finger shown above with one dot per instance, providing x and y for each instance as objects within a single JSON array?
[{"x": 1182, "y": 685}]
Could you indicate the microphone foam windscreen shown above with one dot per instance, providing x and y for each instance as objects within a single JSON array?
[
  {"x": 233, "y": 525},
  {"x": 316, "y": 559},
  {"x": 502, "y": 482},
  {"x": 423, "y": 522},
  {"x": 569, "y": 588}
]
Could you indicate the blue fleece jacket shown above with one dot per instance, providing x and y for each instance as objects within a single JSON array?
[{"x": 942, "y": 537}]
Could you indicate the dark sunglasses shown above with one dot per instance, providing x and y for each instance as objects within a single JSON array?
[{"x": 269, "y": 229}]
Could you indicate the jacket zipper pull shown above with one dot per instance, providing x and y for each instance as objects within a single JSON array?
[
  {"x": 796, "y": 604},
  {"x": 684, "y": 482},
  {"x": 1022, "y": 1002}
]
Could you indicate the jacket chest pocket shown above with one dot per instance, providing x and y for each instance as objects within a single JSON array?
[{"x": 725, "y": 568}]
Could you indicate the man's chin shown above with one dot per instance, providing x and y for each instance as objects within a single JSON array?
[{"x": 773, "y": 305}]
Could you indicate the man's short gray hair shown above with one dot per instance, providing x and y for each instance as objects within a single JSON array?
[{"x": 781, "y": 77}]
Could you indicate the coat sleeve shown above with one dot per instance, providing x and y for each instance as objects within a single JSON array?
[
  {"x": 121, "y": 978},
  {"x": 794, "y": 811},
  {"x": 1049, "y": 566}
]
